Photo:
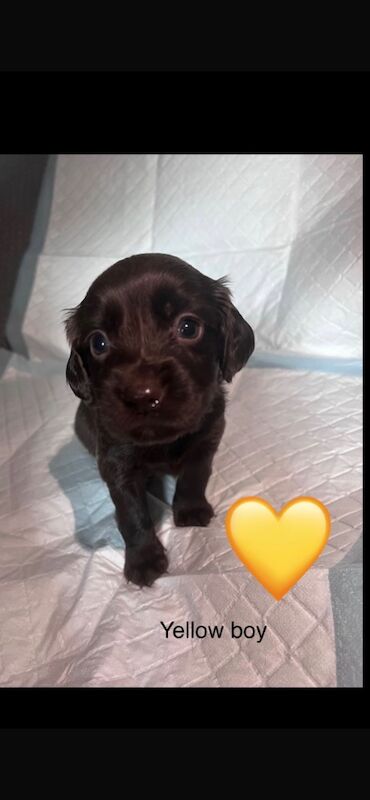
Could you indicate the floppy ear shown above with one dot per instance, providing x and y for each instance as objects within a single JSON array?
[
  {"x": 237, "y": 337},
  {"x": 76, "y": 374},
  {"x": 77, "y": 377}
]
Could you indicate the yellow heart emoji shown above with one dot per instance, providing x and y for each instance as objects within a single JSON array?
[{"x": 278, "y": 547}]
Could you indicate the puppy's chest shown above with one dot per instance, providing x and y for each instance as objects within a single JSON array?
[{"x": 166, "y": 458}]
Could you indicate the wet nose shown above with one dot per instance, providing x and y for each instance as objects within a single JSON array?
[{"x": 144, "y": 398}]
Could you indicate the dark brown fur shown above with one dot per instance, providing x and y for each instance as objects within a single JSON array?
[{"x": 138, "y": 303}]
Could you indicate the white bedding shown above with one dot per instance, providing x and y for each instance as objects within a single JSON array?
[{"x": 287, "y": 229}]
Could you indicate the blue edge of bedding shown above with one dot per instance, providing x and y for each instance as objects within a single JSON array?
[{"x": 345, "y": 366}]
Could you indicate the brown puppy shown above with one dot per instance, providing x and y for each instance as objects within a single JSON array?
[{"x": 151, "y": 343}]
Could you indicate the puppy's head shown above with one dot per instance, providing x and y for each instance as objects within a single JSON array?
[{"x": 150, "y": 342}]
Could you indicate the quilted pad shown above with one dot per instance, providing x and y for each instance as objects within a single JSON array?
[
  {"x": 287, "y": 229},
  {"x": 66, "y": 615}
]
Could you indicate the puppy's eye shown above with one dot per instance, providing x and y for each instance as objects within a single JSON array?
[
  {"x": 98, "y": 343},
  {"x": 188, "y": 328}
]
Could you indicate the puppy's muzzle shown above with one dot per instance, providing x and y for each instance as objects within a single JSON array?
[{"x": 145, "y": 391}]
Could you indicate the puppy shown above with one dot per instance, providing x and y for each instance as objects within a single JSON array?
[{"x": 151, "y": 344}]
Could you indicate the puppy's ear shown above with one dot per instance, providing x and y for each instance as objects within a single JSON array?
[
  {"x": 236, "y": 335},
  {"x": 77, "y": 377},
  {"x": 76, "y": 374}
]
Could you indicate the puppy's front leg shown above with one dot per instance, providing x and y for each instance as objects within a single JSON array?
[
  {"x": 190, "y": 506},
  {"x": 145, "y": 557}
]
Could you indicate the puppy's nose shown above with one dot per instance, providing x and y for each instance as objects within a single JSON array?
[{"x": 145, "y": 398}]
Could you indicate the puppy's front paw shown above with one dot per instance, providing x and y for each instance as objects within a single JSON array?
[
  {"x": 198, "y": 514},
  {"x": 145, "y": 563}
]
